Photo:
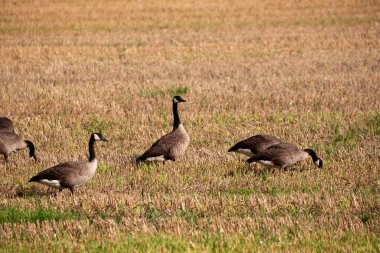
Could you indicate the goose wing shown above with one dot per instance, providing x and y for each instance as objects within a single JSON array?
[
  {"x": 256, "y": 143},
  {"x": 57, "y": 172},
  {"x": 160, "y": 148}
]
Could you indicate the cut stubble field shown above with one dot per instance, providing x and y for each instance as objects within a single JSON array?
[{"x": 307, "y": 72}]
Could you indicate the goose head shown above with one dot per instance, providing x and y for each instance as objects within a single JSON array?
[
  {"x": 317, "y": 161},
  {"x": 98, "y": 137},
  {"x": 178, "y": 99}
]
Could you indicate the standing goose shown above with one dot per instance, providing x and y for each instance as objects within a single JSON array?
[
  {"x": 10, "y": 141},
  {"x": 254, "y": 145},
  {"x": 284, "y": 155},
  {"x": 172, "y": 145},
  {"x": 72, "y": 174}
]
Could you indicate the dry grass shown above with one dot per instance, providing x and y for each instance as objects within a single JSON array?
[{"x": 305, "y": 71}]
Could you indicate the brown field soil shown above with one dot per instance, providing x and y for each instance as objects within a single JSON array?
[{"x": 305, "y": 71}]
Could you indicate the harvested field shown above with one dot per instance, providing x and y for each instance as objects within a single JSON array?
[{"x": 305, "y": 71}]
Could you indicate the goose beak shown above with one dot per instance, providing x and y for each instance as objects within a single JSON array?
[{"x": 104, "y": 139}]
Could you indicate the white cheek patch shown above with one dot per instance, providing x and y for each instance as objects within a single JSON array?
[
  {"x": 244, "y": 151},
  {"x": 52, "y": 183},
  {"x": 266, "y": 163},
  {"x": 96, "y": 137},
  {"x": 175, "y": 100},
  {"x": 160, "y": 158},
  {"x": 318, "y": 162}
]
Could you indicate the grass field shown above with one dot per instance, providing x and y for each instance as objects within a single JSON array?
[{"x": 305, "y": 71}]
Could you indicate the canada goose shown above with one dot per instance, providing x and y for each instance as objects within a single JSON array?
[
  {"x": 172, "y": 145},
  {"x": 254, "y": 144},
  {"x": 284, "y": 155},
  {"x": 10, "y": 141},
  {"x": 72, "y": 174}
]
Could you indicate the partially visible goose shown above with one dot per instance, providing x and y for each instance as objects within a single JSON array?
[
  {"x": 254, "y": 144},
  {"x": 172, "y": 145},
  {"x": 284, "y": 155},
  {"x": 10, "y": 141},
  {"x": 6, "y": 125},
  {"x": 72, "y": 174}
]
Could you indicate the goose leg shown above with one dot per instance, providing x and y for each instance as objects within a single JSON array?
[
  {"x": 284, "y": 168},
  {"x": 50, "y": 192},
  {"x": 72, "y": 194}
]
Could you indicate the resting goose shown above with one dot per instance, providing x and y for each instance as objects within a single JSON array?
[
  {"x": 284, "y": 155},
  {"x": 72, "y": 174},
  {"x": 172, "y": 145}
]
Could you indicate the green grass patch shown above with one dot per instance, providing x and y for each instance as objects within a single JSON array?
[
  {"x": 341, "y": 138},
  {"x": 103, "y": 168},
  {"x": 10, "y": 29},
  {"x": 224, "y": 119},
  {"x": 190, "y": 216},
  {"x": 94, "y": 124},
  {"x": 370, "y": 213},
  {"x": 151, "y": 93},
  {"x": 13, "y": 214},
  {"x": 160, "y": 92},
  {"x": 346, "y": 138},
  {"x": 372, "y": 123},
  {"x": 278, "y": 191},
  {"x": 149, "y": 212},
  {"x": 241, "y": 192},
  {"x": 347, "y": 135},
  {"x": 181, "y": 90},
  {"x": 147, "y": 167}
]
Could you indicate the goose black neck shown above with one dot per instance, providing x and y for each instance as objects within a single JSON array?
[
  {"x": 91, "y": 148},
  {"x": 177, "y": 120},
  {"x": 30, "y": 145},
  {"x": 312, "y": 154}
]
